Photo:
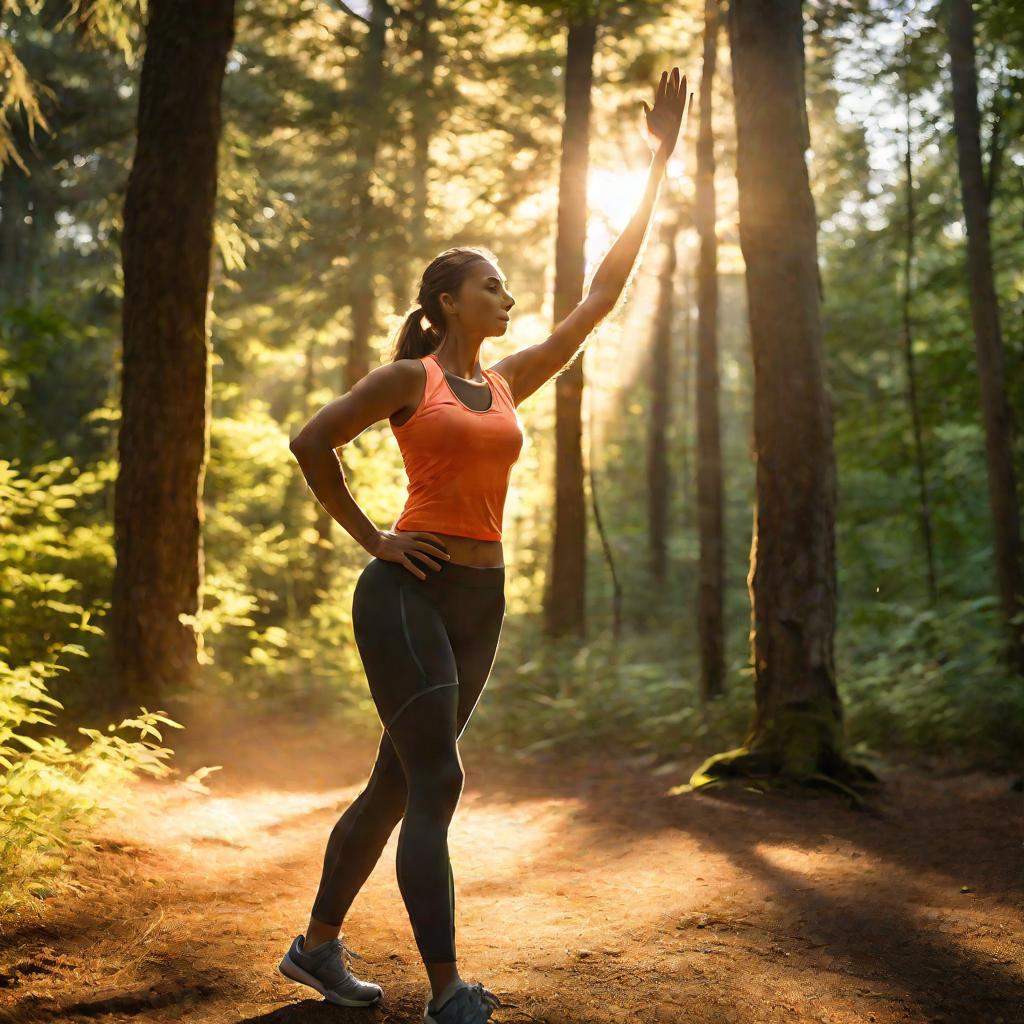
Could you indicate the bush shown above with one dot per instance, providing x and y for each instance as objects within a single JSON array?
[{"x": 50, "y": 792}]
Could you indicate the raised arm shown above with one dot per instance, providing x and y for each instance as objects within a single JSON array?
[{"x": 529, "y": 368}]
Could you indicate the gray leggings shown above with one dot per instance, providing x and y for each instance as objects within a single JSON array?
[{"x": 427, "y": 647}]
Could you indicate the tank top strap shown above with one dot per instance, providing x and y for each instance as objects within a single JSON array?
[
  {"x": 499, "y": 386},
  {"x": 435, "y": 376}
]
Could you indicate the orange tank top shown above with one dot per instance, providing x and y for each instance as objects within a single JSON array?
[{"x": 458, "y": 459}]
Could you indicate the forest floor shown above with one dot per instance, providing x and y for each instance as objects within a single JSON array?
[{"x": 583, "y": 894}]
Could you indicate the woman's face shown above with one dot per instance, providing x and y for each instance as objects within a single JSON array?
[{"x": 484, "y": 302}]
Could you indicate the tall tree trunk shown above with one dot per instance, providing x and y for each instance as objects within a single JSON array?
[
  {"x": 686, "y": 374},
  {"x": 18, "y": 231},
  {"x": 988, "y": 342},
  {"x": 369, "y": 100},
  {"x": 797, "y": 727},
  {"x": 920, "y": 459},
  {"x": 564, "y": 603},
  {"x": 424, "y": 127},
  {"x": 658, "y": 476},
  {"x": 711, "y": 581},
  {"x": 165, "y": 382}
]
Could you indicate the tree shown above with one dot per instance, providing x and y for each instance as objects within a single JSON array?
[
  {"x": 988, "y": 341},
  {"x": 711, "y": 580},
  {"x": 565, "y": 590},
  {"x": 165, "y": 377},
  {"x": 564, "y": 604},
  {"x": 658, "y": 472},
  {"x": 797, "y": 727}
]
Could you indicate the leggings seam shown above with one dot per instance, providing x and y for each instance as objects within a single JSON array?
[
  {"x": 419, "y": 693},
  {"x": 405, "y": 630},
  {"x": 415, "y": 657}
]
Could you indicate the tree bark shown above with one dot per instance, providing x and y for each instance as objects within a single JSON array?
[
  {"x": 165, "y": 384},
  {"x": 658, "y": 476},
  {"x": 424, "y": 126},
  {"x": 686, "y": 374},
  {"x": 564, "y": 604},
  {"x": 16, "y": 265},
  {"x": 797, "y": 728},
  {"x": 369, "y": 99},
  {"x": 988, "y": 342},
  {"x": 710, "y": 488}
]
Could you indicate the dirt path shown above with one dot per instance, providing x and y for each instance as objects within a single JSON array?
[{"x": 583, "y": 895}]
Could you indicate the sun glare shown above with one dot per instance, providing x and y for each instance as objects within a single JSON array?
[
  {"x": 612, "y": 198},
  {"x": 613, "y": 195}
]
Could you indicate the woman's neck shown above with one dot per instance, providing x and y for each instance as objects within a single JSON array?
[{"x": 464, "y": 364}]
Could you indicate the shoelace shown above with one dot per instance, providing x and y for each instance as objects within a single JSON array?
[
  {"x": 485, "y": 995},
  {"x": 346, "y": 953}
]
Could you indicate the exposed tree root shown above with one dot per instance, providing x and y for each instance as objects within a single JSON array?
[
  {"x": 800, "y": 747},
  {"x": 761, "y": 772}
]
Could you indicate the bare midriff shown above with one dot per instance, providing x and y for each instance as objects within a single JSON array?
[{"x": 483, "y": 554}]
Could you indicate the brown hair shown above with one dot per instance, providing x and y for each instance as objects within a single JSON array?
[{"x": 445, "y": 273}]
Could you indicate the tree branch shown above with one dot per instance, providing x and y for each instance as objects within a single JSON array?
[{"x": 348, "y": 10}]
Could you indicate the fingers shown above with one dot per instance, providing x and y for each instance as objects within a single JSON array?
[
  {"x": 671, "y": 86},
  {"x": 426, "y": 559},
  {"x": 434, "y": 542},
  {"x": 412, "y": 568}
]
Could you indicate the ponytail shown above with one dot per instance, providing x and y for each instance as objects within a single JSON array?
[{"x": 413, "y": 340}]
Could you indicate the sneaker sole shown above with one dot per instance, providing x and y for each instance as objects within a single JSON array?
[
  {"x": 429, "y": 1018},
  {"x": 293, "y": 972}
]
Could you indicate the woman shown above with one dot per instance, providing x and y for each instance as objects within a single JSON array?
[{"x": 427, "y": 609}]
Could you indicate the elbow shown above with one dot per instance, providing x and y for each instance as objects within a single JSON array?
[
  {"x": 300, "y": 445},
  {"x": 306, "y": 444}
]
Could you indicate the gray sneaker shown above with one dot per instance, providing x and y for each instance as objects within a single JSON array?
[
  {"x": 326, "y": 970},
  {"x": 471, "y": 1004}
]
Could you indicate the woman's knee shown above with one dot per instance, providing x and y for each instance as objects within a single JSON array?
[
  {"x": 439, "y": 785},
  {"x": 385, "y": 799}
]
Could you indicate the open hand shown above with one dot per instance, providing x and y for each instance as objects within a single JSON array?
[
  {"x": 670, "y": 104},
  {"x": 405, "y": 545}
]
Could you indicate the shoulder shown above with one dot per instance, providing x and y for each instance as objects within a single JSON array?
[
  {"x": 407, "y": 369},
  {"x": 503, "y": 370},
  {"x": 400, "y": 374},
  {"x": 392, "y": 385},
  {"x": 406, "y": 383}
]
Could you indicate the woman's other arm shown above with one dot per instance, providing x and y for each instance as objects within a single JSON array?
[
  {"x": 373, "y": 398},
  {"x": 380, "y": 394}
]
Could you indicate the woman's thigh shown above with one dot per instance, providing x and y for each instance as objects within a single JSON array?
[
  {"x": 474, "y": 620},
  {"x": 402, "y": 640}
]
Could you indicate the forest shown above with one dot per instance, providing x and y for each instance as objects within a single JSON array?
[{"x": 758, "y": 699}]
